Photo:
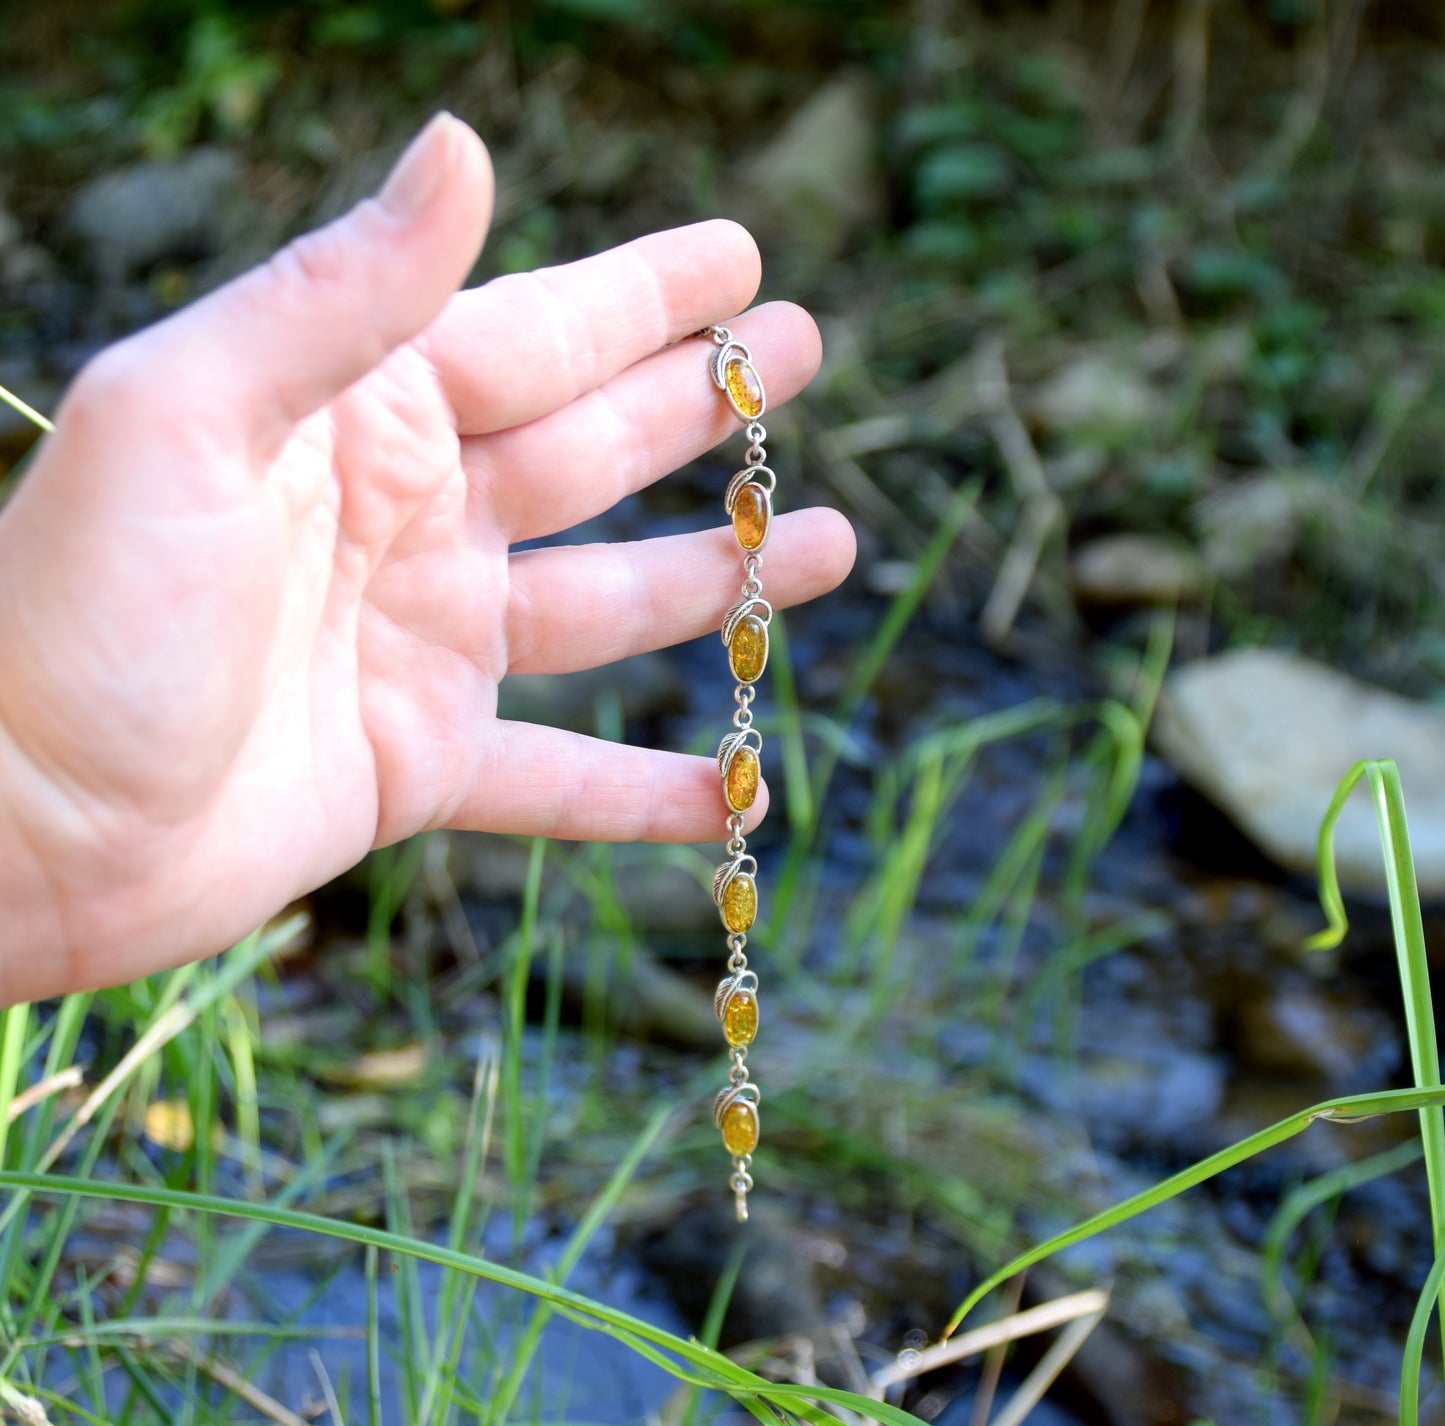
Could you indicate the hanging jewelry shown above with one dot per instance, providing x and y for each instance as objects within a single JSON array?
[{"x": 749, "y": 503}]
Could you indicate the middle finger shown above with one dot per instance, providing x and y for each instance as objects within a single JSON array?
[{"x": 663, "y": 411}]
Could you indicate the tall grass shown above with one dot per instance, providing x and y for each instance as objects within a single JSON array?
[
  {"x": 1426, "y": 1097},
  {"x": 190, "y": 1041}
]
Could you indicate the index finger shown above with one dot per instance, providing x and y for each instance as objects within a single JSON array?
[{"x": 526, "y": 344}]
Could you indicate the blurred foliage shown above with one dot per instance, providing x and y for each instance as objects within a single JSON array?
[{"x": 1232, "y": 213}]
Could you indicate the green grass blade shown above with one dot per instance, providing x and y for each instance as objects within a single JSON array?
[
  {"x": 1414, "y": 973},
  {"x": 890, "y": 629},
  {"x": 1304, "y": 1200},
  {"x": 1409, "y": 933},
  {"x": 597, "y": 1214},
  {"x": 14, "y": 1026},
  {"x": 1415, "y": 1344},
  {"x": 712, "y": 1322},
  {"x": 711, "y": 1369},
  {"x": 1330, "y": 898},
  {"x": 26, "y": 410},
  {"x": 1340, "y": 1111},
  {"x": 373, "y": 1341}
]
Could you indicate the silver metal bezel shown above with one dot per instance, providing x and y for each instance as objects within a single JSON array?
[
  {"x": 729, "y": 987},
  {"x": 749, "y": 604},
  {"x": 729, "y": 748},
  {"x": 734, "y": 1093},
  {"x": 729, "y": 872},
  {"x": 730, "y": 351},
  {"x": 752, "y": 474}
]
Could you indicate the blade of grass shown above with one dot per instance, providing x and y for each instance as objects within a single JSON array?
[
  {"x": 1408, "y": 928},
  {"x": 525, "y": 1349},
  {"x": 13, "y": 1028},
  {"x": 26, "y": 410},
  {"x": 516, "y": 1142},
  {"x": 890, "y": 629},
  {"x": 1303, "y": 1201},
  {"x": 373, "y": 1341},
  {"x": 709, "y": 1368},
  {"x": 1340, "y": 1111},
  {"x": 1415, "y": 1343}
]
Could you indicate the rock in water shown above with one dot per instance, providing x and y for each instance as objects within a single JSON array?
[
  {"x": 1267, "y": 736},
  {"x": 157, "y": 210},
  {"x": 1137, "y": 569},
  {"x": 817, "y": 181}
]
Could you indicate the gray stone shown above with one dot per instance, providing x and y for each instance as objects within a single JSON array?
[
  {"x": 1249, "y": 523},
  {"x": 1101, "y": 393},
  {"x": 155, "y": 210},
  {"x": 1304, "y": 1030},
  {"x": 1137, "y": 569},
  {"x": 817, "y": 180},
  {"x": 1267, "y": 736}
]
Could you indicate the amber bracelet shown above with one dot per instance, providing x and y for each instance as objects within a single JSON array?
[{"x": 749, "y": 503}]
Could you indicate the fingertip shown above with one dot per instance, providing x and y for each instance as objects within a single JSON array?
[
  {"x": 804, "y": 338},
  {"x": 839, "y": 542},
  {"x": 737, "y": 251},
  {"x": 475, "y": 174},
  {"x": 753, "y": 817}
]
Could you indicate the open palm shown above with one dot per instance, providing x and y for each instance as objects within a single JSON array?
[{"x": 257, "y": 594}]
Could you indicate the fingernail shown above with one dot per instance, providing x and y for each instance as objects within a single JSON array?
[{"x": 417, "y": 175}]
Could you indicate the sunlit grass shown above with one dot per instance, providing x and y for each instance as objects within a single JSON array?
[
  {"x": 193, "y": 1044},
  {"x": 1426, "y": 1097}
]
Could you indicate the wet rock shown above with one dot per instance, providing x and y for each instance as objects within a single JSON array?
[
  {"x": 1137, "y": 569},
  {"x": 148, "y": 212},
  {"x": 1267, "y": 736},
  {"x": 1303, "y": 1031},
  {"x": 817, "y": 181},
  {"x": 1153, "y": 1094}
]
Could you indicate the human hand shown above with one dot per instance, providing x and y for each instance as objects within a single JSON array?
[{"x": 256, "y": 595}]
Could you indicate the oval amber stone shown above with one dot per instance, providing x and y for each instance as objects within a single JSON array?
[
  {"x": 750, "y": 516},
  {"x": 740, "y": 1019},
  {"x": 745, "y": 390},
  {"x": 742, "y": 782},
  {"x": 748, "y": 649},
  {"x": 740, "y": 1128},
  {"x": 740, "y": 902}
]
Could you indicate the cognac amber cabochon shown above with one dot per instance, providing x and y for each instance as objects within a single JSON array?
[
  {"x": 748, "y": 649},
  {"x": 750, "y": 516},
  {"x": 740, "y": 1128},
  {"x": 740, "y": 902},
  {"x": 742, "y": 780},
  {"x": 744, "y": 388},
  {"x": 740, "y": 1019}
]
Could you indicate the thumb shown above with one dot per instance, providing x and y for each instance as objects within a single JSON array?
[{"x": 287, "y": 337}]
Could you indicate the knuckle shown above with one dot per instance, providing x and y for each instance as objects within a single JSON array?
[
  {"x": 314, "y": 260},
  {"x": 110, "y": 380}
]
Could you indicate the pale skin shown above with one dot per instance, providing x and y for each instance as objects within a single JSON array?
[{"x": 256, "y": 591}]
